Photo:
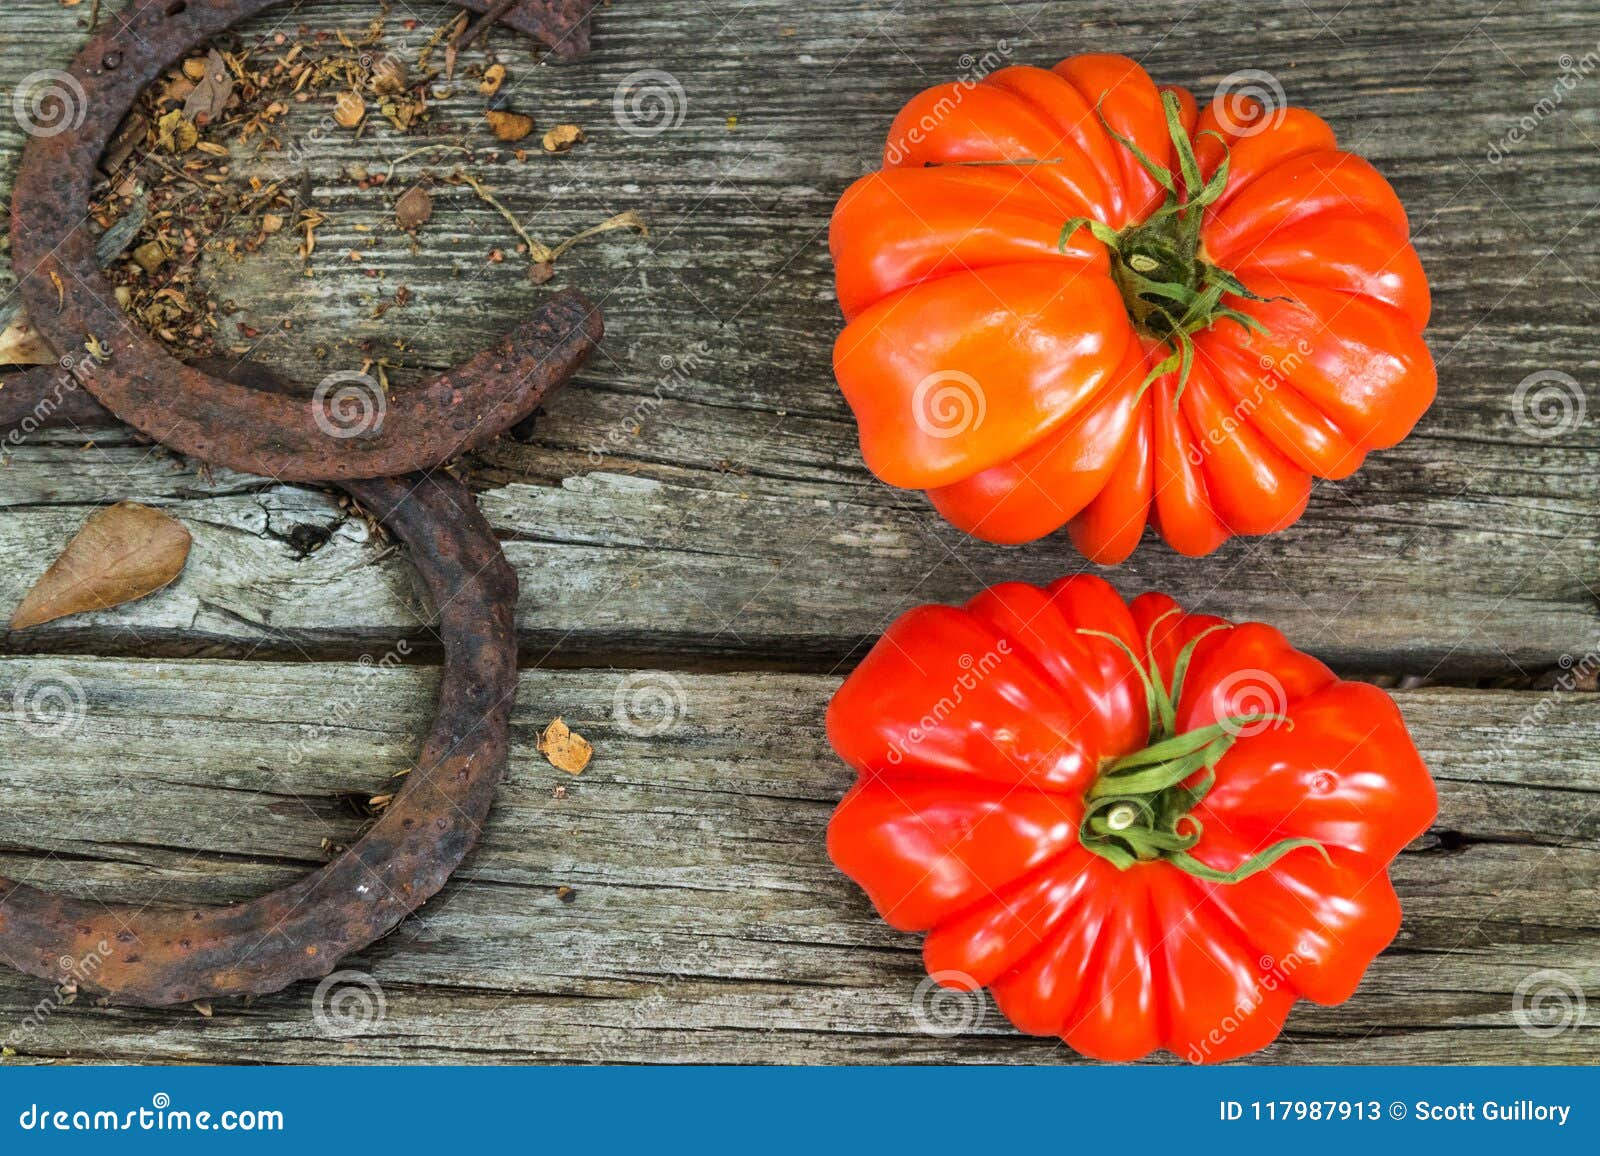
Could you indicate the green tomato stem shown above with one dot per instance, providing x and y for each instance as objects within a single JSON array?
[
  {"x": 1170, "y": 290},
  {"x": 1139, "y": 807}
]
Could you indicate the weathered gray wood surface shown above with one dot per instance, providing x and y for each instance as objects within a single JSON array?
[
  {"x": 704, "y": 921},
  {"x": 748, "y": 524},
  {"x": 696, "y": 498}
]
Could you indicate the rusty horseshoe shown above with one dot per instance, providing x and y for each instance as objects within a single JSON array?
[
  {"x": 161, "y": 956},
  {"x": 155, "y": 957},
  {"x": 70, "y": 301}
]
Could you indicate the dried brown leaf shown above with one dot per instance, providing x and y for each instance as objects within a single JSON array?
[
  {"x": 212, "y": 89},
  {"x": 509, "y": 125},
  {"x": 122, "y": 553},
  {"x": 565, "y": 748},
  {"x": 413, "y": 208}
]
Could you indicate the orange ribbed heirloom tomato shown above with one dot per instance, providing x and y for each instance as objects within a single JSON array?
[
  {"x": 1074, "y": 299},
  {"x": 1140, "y": 828}
]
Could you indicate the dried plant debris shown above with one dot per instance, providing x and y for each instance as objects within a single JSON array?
[
  {"x": 561, "y": 138},
  {"x": 213, "y": 87},
  {"x": 565, "y": 748},
  {"x": 20, "y": 343},
  {"x": 413, "y": 208},
  {"x": 508, "y": 126},
  {"x": 122, "y": 553},
  {"x": 208, "y": 167}
]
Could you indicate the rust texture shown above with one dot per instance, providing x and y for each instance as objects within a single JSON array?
[
  {"x": 161, "y": 956},
  {"x": 254, "y": 423},
  {"x": 70, "y": 301}
]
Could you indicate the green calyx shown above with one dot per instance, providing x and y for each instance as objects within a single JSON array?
[
  {"x": 1138, "y": 810},
  {"x": 1170, "y": 290}
]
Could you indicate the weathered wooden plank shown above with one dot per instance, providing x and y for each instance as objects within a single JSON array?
[
  {"x": 701, "y": 920},
  {"x": 627, "y": 564},
  {"x": 751, "y": 526}
]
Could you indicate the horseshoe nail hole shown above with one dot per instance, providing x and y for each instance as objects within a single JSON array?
[
  {"x": 177, "y": 7},
  {"x": 110, "y": 61}
]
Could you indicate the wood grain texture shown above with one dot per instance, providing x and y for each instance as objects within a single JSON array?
[
  {"x": 699, "y": 488},
  {"x": 696, "y": 497},
  {"x": 701, "y": 919}
]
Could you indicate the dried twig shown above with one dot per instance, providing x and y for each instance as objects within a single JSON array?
[
  {"x": 538, "y": 251},
  {"x": 628, "y": 220},
  {"x": 389, "y": 172}
]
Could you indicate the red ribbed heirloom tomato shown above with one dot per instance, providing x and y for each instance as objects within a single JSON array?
[
  {"x": 1140, "y": 828},
  {"x": 1074, "y": 299}
]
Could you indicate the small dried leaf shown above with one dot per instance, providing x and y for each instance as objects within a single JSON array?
[
  {"x": 20, "y": 343},
  {"x": 413, "y": 208},
  {"x": 509, "y": 125},
  {"x": 211, "y": 92},
  {"x": 271, "y": 222},
  {"x": 493, "y": 77},
  {"x": 123, "y": 552},
  {"x": 565, "y": 748},
  {"x": 563, "y": 137},
  {"x": 203, "y": 1007},
  {"x": 349, "y": 109},
  {"x": 174, "y": 132}
]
